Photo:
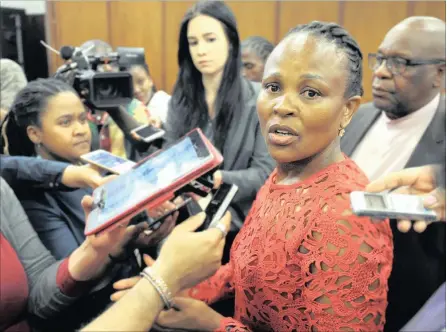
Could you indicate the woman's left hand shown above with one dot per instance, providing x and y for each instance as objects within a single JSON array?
[
  {"x": 190, "y": 314},
  {"x": 114, "y": 240},
  {"x": 90, "y": 259}
]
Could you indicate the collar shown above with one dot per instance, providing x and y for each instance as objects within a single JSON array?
[{"x": 425, "y": 111}]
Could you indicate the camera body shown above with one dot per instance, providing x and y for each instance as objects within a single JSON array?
[{"x": 101, "y": 90}]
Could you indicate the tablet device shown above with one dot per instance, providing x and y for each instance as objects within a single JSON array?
[{"x": 152, "y": 181}]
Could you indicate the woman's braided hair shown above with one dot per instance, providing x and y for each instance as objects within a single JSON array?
[
  {"x": 26, "y": 111},
  {"x": 259, "y": 45},
  {"x": 344, "y": 41}
]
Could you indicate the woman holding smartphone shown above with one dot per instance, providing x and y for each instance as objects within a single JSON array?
[
  {"x": 210, "y": 93},
  {"x": 49, "y": 121},
  {"x": 37, "y": 285}
]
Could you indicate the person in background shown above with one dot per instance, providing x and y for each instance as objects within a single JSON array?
[
  {"x": 48, "y": 120},
  {"x": 255, "y": 51},
  {"x": 35, "y": 284},
  {"x": 210, "y": 93},
  {"x": 145, "y": 91},
  {"x": 404, "y": 127},
  {"x": 12, "y": 80},
  {"x": 302, "y": 261}
]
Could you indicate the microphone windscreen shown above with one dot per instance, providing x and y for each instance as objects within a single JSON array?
[{"x": 66, "y": 52}]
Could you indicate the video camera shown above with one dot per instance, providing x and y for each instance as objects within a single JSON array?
[{"x": 101, "y": 90}]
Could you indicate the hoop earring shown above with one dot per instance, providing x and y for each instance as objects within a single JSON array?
[{"x": 341, "y": 132}]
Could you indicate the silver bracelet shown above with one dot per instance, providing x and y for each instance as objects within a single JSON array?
[{"x": 160, "y": 286}]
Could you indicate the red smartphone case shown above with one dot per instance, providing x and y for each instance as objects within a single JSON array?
[{"x": 164, "y": 194}]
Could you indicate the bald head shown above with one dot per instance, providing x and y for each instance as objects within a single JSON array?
[
  {"x": 426, "y": 33},
  {"x": 418, "y": 43}
]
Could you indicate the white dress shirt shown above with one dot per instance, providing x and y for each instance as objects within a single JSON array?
[{"x": 389, "y": 144}]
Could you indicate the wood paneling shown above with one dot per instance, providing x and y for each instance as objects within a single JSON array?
[
  {"x": 292, "y": 13},
  {"x": 137, "y": 24},
  {"x": 368, "y": 22},
  {"x": 429, "y": 8},
  {"x": 255, "y": 18},
  {"x": 154, "y": 25},
  {"x": 75, "y": 22},
  {"x": 174, "y": 12}
]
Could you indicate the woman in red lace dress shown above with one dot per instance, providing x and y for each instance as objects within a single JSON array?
[{"x": 303, "y": 261}]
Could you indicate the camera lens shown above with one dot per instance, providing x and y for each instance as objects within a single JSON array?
[{"x": 106, "y": 90}]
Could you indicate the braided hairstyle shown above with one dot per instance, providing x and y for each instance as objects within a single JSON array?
[
  {"x": 26, "y": 111},
  {"x": 260, "y": 46},
  {"x": 333, "y": 32}
]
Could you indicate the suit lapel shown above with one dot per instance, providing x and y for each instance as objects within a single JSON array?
[
  {"x": 431, "y": 141},
  {"x": 358, "y": 127}
]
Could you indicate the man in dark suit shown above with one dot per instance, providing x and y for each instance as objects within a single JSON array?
[{"x": 404, "y": 127}]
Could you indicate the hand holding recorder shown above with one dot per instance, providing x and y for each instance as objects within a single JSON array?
[{"x": 420, "y": 182}]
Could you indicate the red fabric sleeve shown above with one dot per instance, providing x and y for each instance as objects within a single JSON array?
[
  {"x": 215, "y": 288},
  {"x": 68, "y": 285}
]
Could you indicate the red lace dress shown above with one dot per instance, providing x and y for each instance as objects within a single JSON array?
[{"x": 304, "y": 262}]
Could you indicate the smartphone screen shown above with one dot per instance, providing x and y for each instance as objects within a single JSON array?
[
  {"x": 151, "y": 176},
  {"x": 108, "y": 161},
  {"x": 147, "y": 131}
]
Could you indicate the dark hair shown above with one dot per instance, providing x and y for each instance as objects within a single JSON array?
[
  {"x": 26, "y": 110},
  {"x": 259, "y": 45},
  {"x": 145, "y": 67},
  {"x": 344, "y": 41},
  {"x": 188, "y": 99}
]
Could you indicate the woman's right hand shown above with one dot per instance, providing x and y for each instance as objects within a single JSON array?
[{"x": 186, "y": 258}]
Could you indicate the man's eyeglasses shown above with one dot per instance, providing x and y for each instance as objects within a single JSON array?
[{"x": 397, "y": 65}]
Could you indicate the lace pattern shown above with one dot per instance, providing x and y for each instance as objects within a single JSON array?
[{"x": 304, "y": 262}]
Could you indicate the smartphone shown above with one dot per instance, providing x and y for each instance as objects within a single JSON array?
[
  {"x": 218, "y": 205},
  {"x": 152, "y": 181},
  {"x": 107, "y": 161},
  {"x": 148, "y": 133},
  {"x": 155, "y": 223},
  {"x": 393, "y": 206}
]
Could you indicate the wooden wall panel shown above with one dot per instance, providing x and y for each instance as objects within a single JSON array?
[
  {"x": 292, "y": 13},
  {"x": 255, "y": 18},
  {"x": 154, "y": 25},
  {"x": 75, "y": 22},
  {"x": 361, "y": 19},
  {"x": 174, "y": 12},
  {"x": 138, "y": 24},
  {"x": 429, "y": 8}
]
